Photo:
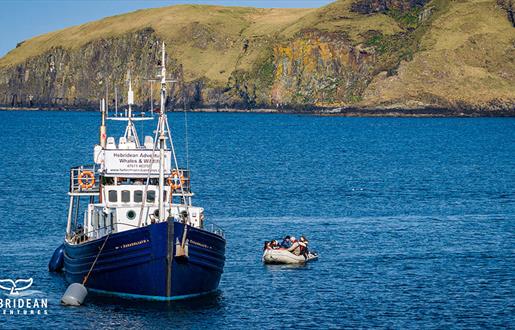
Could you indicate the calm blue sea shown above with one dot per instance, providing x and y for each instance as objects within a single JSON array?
[{"x": 414, "y": 220}]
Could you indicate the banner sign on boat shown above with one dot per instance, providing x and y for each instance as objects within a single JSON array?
[{"x": 135, "y": 162}]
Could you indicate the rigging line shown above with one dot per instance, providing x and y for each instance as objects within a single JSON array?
[
  {"x": 172, "y": 90},
  {"x": 144, "y": 199},
  {"x": 173, "y": 151},
  {"x": 115, "y": 101},
  {"x": 77, "y": 212},
  {"x": 186, "y": 139},
  {"x": 142, "y": 126},
  {"x": 107, "y": 100},
  {"x": 178, "y": 173}
]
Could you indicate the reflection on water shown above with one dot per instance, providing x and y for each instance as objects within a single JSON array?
[
  {"x": 281, "y": 268},
  {"x": 208, "y": 302}
]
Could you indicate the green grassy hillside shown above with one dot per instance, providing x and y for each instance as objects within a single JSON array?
[
  {"x": 350, "y": 53},
  {"x": 207, "y": 40},
  {"x": 467, "y": 56}
]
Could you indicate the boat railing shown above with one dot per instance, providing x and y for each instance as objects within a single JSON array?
[
  {"x": 103, "y": 231},
  {"x": 212, "y": 228},
  {"x": 85, "y": 235},
  {"x": 85, "y": 180}
]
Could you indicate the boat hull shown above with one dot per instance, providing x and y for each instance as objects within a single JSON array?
[
  {"x": 284, "y": 257},
  {"x": 135, "y": 263}
]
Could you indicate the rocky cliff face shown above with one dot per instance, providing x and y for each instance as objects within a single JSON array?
[
  {"x": 323, "y": 69},
  {"x": 359, "y": 54},
  {"x": 314, "y": 68},
  {"x": 375, "y": 6},
  {"x": 509, "y": 7},
  {"x": 73, "y": 78}
]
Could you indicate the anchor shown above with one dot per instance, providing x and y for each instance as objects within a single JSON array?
[{"x": 182, "y": 248}]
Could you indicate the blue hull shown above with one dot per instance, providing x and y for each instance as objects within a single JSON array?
[{"x": 135, "y": 263}]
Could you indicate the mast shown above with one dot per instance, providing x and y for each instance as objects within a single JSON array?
[
  {"x": 116, "y": 101},
  {"x": 103, "y": 135},
  {"x": 106, "y": 101},
  {"x": 130, "y": 130},
  {"x": 130, "y": 97},
  {"x": 151, "y": 99},
  {"x": 162, "y": 137}
]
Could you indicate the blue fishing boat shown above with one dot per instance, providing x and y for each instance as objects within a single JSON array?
[{"x": 132, "y": 229}]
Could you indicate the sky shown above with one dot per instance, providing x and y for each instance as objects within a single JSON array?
[{"x": 23, "y": 19}]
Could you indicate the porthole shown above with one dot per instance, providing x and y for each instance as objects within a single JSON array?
[
  {"x": 131, "y": 215},
  {"x": 156, "y": 213}
]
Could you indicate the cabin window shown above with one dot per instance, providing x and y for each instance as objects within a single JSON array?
[
  {"x": 138, "y": 196},
  {"x": 126, "y": 196},
  {"x": 113, "y": 196},
  {"x": 151, "y": 196},
  {"x": 164, "y": 195}
]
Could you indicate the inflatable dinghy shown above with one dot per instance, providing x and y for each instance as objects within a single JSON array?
[{"x": 283, "y": 256}]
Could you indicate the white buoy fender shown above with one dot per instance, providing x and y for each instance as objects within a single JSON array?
[{"x": 74, "y": 295}]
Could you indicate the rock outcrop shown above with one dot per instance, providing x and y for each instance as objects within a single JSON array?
[
  {"x": 323, "y": 69},
  {"x": 79, "y": 78},
  {"x": 377, "y": 6},
  {"x": 509, "y": 6}
]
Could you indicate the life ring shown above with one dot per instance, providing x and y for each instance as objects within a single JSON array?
[
  {"x": 86, "y": 179},
  {"x": 176, "y": 180}
]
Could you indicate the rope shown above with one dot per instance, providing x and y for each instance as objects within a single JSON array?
[
  {"x": 177, "y": 168},
  {"x": 96, "y": 258}
]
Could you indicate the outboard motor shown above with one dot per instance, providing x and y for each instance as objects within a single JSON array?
[{"x": 56, "y": 263}]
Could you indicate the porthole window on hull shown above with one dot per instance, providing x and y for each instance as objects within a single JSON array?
[{"x": 131, "y": 215}]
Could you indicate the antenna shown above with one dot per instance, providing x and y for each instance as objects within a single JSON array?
[
  {"x": 151, "y": 99},
  {"x": 162, "y": 80},
  {"x": 115, "y": 101},
  {"x": 107, "y": 100},
  {"x": 103, "y": 135},
  {"x": 130, "y": 95},
  {"x": 130, "y": 131},
  {"x": 186, "y": 142}
]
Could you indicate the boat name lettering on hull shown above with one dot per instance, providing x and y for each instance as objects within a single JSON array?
[
  {"x": 128, "y": 245},
  {"x": 200, "y": 244}
]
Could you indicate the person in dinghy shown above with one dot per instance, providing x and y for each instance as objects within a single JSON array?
[
  {"x": 299, "y": 247},
  {"x": 290, "y": 251}
]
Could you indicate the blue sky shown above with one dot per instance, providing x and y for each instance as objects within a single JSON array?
[{"x": 23, "y": 19}]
